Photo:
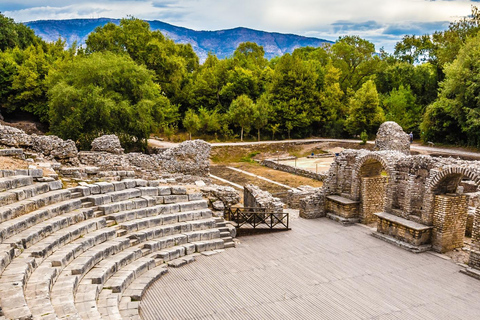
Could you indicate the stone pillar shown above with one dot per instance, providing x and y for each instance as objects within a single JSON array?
[
  {"x": 373, "y": 198},
  {"x": 449, "y": 221},
  {"x": 474, "y": 259}
]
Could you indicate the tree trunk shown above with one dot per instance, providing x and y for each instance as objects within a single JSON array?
[
  {"x": 258, "y": 134},
  {"x": 190, "y": 135},
  {"x": 241, "y": 135}
]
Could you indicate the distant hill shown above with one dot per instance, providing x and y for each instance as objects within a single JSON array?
[{"x": 222, "y": 42}]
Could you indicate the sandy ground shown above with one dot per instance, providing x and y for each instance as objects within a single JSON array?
[{"x": 317, "y": 165}]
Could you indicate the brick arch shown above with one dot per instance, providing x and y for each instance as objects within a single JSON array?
[
  {"x": 440, "y": 177},
  {"x": 357, "y": 171}
]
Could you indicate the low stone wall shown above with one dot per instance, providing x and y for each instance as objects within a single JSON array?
[
  {"x": 254, "y": 197},
  {"x": 290, "y": 169},
  {"x": 313, "y": 206},
  {"x": 294, "y": 196}
]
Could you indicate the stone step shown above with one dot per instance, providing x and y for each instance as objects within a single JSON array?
[
  {"x": 160, "y": 209},
  {"x": 76, "y": 195},
  {"x": 230, "y": 244},
  {"x": 13, "y": 182},
  {"x": 209, "y": 245},
  {"x": 54, "y": 242},
  {"x": 128, "y": 305},
  {"x": 167, "y": 219},
  {"x": 22, "y": 207},
  {"x": 15, "y": 226},
  {"x": 23, "y": 193},
  {"x": 40, "y": 284},
  {"x": 224, "y": 234},
  {"x": 27, "y": 238}
]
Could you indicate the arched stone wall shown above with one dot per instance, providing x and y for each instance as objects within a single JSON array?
[
  {"x": 444, "y": 181},
  {"x": 369, "y": 187},
  {"x": 369, "y": 165},
  {"x": 446, "y": 210}
]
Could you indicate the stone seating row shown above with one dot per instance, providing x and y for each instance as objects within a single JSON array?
[{"x": 49, "y": 252}]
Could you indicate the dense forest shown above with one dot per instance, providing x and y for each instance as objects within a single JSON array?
[{"x": 132, "y": 81}]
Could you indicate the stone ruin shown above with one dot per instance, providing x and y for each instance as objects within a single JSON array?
[
  {"x": 91, "y": 251},
  {"x": 417, "y": 201},
  {"x": 390, "y": 136},
  {"x": 185, "y": 163},
  {"x": 254, "y": 197},
  {"x": 107, "y": 143}
]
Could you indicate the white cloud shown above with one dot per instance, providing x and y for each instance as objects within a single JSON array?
[{"x": 306, "y": 17}]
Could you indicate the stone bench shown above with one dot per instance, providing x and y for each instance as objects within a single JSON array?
[
  {"x": 20, "y": 270},
  {"x": 41, "y": 282},
  {"x": 342, "y": 209},
  {"x": 405, "y": 233}
]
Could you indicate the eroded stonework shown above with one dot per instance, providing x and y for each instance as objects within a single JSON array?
[
  {"x": 419, "y": 202},
  {"x": 107, "y": 143},
  {"x": 190, "y": 158},
  {"x": 390, "y": 136}
]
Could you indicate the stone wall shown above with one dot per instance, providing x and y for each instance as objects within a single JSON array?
[
  {"x": 291, "y": 169},
  {"x": 449, "y": 221},
  {"x": 294, "y": 196},
  {"x": 313, "y": 206},
  {"x": 254, "y": 197},
  {"x": 373, "y": 198}
]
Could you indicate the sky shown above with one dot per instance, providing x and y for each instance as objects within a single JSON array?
[{"x": 383, "y": 22}]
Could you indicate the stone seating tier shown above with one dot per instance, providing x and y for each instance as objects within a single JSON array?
[{"x": 71, "y": 253}]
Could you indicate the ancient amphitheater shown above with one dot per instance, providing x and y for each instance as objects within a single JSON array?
[{"x": 120, "y": 246}]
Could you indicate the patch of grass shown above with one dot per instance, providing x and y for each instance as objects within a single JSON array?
[{"x": 249, "y": 157}]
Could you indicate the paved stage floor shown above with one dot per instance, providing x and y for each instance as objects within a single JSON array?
[{"x": 318, "y": 270}]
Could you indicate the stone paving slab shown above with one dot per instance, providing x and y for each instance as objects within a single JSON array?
[{"x": 318, "y": 270}]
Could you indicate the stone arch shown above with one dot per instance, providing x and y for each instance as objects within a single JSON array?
[
  {"x": 444, "y": 181},
  {"x": 369, "y": 186},
  {"x": 446, "y": 210},
  {"x": 375, "y": 163}
]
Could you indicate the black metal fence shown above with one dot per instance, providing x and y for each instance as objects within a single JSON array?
[{"x": 257, "y": 218}]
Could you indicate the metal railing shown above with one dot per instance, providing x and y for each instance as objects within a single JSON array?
[{"x": 257, "y": 218}]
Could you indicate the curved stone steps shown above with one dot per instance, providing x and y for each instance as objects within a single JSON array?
[
  {"x": 55, "y": 249},
  {"x": 40, "y": 284},
  {"x": 16, "y": 225},
  {"x": 25, "y": 192},
  {"x": 80, "y": 266},
  {"x": 86, "y": 261}
]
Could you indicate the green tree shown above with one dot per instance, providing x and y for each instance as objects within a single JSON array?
[
  {"x": 365, "y": 113},
  {"x": 242, "y": 112},
  {"x": 294, "y": 95},
  {"x": 23, "y": 74},
  {"x": 106, "y": 93},
  {"x": 14, "y": 34},
  {"x": 400, "y": 106},
  {"x": 262, "y": 114},
  {"x": 171, "y": 63},
  {"x": 456, "y": 113},
  {"x": 191, "y": 122},
  {"x": 355, "y": 58},
  {"x": 210, "y": 120}
]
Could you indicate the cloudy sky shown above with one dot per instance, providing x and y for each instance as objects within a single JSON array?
[{"x": 383, "y": 22}]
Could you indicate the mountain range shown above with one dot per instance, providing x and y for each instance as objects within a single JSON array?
[{"x": 221, "y": 42}]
